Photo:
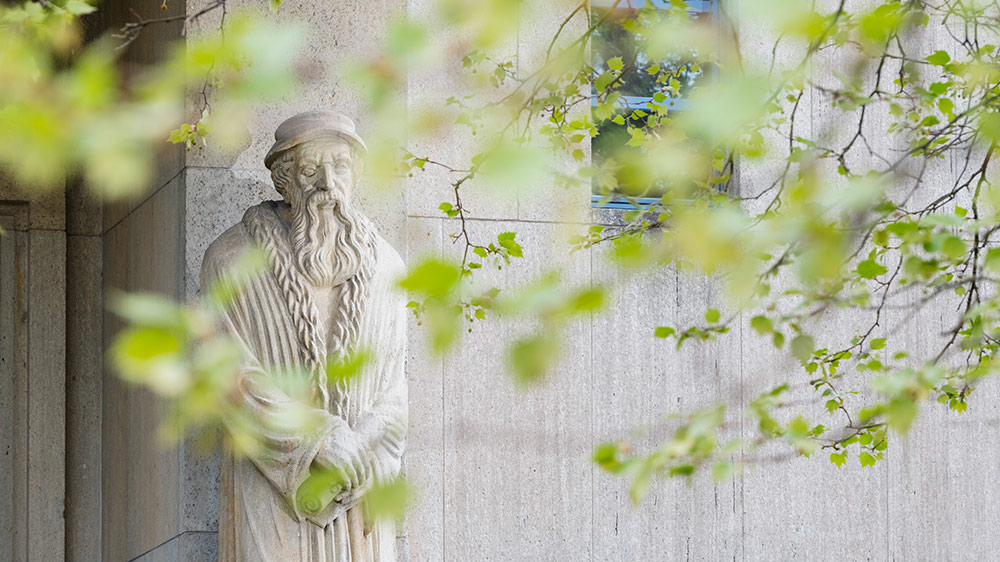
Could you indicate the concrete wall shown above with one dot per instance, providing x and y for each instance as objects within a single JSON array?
[
  {"x": 506, "y": 475},
  {"x": 503, "y": 474},
  {"x": 142, "y": 250}
]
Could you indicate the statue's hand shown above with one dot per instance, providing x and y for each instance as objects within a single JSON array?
[{"x": 346, "y": 453}]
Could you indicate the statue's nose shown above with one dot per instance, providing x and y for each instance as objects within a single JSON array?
[{"x": 325, "y": 180}]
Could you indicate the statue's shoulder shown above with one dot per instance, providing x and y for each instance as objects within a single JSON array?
[
  {"x": 389, "y": 259},
  {"x": 227, "y": 250}
]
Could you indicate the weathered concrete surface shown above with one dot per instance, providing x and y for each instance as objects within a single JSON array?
[
  {"x": 142, "y": 252},
  {"x": 638, "y": 380},
  {"x": 425, "y": 448},
  {"x": 32, "y": 383},
  {"x": 190, "y": 546},
  {"x": 13, "y": 388},
  {"x": 84, "y": 361},
  {"x": 46, "y": 419},
  {"x": 114, "y": 408}
]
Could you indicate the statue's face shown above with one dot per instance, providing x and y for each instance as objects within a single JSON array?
[
  {"x": 325, "y": 165},
  {"x": 326, "y": 232}
]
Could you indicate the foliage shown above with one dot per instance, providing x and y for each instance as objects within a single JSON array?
[
  {"x": 68, "y": 107},
  {"x": 850, "y": 223},
  {"x": 844, "y": 214}
]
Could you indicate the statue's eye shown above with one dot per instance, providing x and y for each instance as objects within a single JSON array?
[
  {"x": 342, "y": 166},
  {"x": 308, "y": 171}
]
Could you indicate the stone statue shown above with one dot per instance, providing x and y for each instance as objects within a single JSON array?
[{"x": 328, "y": 293}]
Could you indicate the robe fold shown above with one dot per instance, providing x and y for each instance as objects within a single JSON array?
[{"x": 259, "y": 519}]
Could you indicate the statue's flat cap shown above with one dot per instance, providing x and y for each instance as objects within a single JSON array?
[{"x": 311, "y": 125}]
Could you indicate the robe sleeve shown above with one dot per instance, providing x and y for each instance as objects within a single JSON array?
[
  {"x": 384, "y": 424},
  {"x": 287, "y": 441},
  {"x": 285, "y": 447}
]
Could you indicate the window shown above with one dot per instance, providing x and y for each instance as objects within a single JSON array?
[{"x": 645, "y": 86}]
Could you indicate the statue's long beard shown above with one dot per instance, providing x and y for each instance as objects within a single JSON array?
[{"x": 328, "y": 238}]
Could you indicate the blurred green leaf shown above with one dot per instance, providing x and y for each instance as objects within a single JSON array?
[
  {"x": 802, "y": 347},
  {"x": 432, "y": 278},
  {"x": 389, "y": 500}
]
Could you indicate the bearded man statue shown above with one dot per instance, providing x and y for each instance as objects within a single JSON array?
[{"x": 327, "y": 296}]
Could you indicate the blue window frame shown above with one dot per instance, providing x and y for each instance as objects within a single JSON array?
[{"x": 611, "y": 39}]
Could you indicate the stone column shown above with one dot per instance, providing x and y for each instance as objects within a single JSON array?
[{"x": 32, "y": 374}]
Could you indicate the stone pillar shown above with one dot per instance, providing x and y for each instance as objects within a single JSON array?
[
  {"x": 84, "y": 371},
  {"x": 32, "y": 375}
]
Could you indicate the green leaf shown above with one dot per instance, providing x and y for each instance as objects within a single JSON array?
[
  {"x": 877, "y": 343},
  {"x": 638, "y": 138},
  {"x": 778, "y": 339},
  {"x": 531, "y": 358},
  {"x": 992, "y": 260},
  {"x": 722, "y": 470},
  {"x": 615, "y": 64},
  {"x": 388, "y": 500},
  {"x": 78, "y": 7},
  {"x": 506, "y": 239},
  {"x": 929, "y": 121},
  {"x": 712, "y": 316},
  {"x": 989, "y": 125},
  {"x": 954, "y": 247},
  {"x": 832, "y": 405},
  {"x": 664, "y": 332},
  {"x": 176, "y": 136},
  {"x": 802, "y": 347},
  {"x": 601, "y": 82},
  {"x": 346, "y": 368},
  {"x": 866, "y": 459},
  {"x": 762, "y": 324},
  {"x": 901, "y": 413},
  {"x": 870, "y": 269},
  {"x": 318, "y": 490},
  {"x": 606, "y": 457},
  {"x": 432, "y": 278},
  {"x": 838, "y": 459},
  {"x": 640, "y": 485},
  {"x": 148, "y": 309},
  {"x": 588, "y": 300},
  {"x": 939, "y": 58},
  {"x": 682, "y": 470}
]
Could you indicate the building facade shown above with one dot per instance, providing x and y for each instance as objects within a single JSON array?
[{"x": 499, "y": 473}]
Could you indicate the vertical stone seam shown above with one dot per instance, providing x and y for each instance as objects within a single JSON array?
[
  {"x": 180, "y": 290},
  {"x": 593, "y": 526},
  {"x": 444, "y": 425},
  {"x": 25, "y": 306}
]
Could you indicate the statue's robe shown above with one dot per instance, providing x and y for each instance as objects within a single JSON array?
[{"x": 259, "y": 519}]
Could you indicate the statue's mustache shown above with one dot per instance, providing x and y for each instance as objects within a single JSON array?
[{"x": 325, "y": 197}]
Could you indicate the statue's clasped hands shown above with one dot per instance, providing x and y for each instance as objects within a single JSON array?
[{"x": 341, "y": 473}]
